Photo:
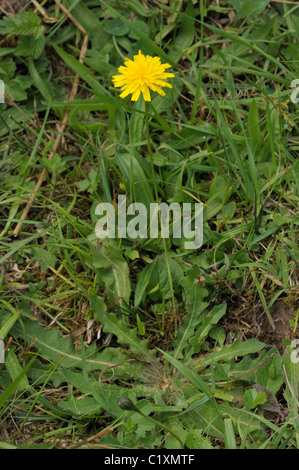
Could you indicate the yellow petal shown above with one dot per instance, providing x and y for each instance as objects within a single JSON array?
[
  {"x": 136, "y": 95},
  {"x": 142, "y": 74},
  {"x": 146, "y": 93}
]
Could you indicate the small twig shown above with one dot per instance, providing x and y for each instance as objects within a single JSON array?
[
  {"x": 62, "y": 127},
  {"x": 70, "y": 16},
  {"x": 8, "y": 343},
  {"x": 39, "y": 8},
  {"x": 95, "y": 436}
]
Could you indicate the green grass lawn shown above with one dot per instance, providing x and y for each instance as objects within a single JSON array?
[{"x": 143, "y": 343}]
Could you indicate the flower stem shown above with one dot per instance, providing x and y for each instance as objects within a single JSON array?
[{"x": 149, "y": 148}]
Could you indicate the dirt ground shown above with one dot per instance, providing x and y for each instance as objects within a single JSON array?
[
  {"x": 11, "y": 7},
  {"x": 253, "y": 323}
]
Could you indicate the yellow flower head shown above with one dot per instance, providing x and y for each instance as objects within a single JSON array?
[{"x": 140, "y": 75}]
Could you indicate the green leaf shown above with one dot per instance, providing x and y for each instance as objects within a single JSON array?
[
  {"x": 176, "y": 273},
  {"x": 100, "y": 309},
  {"x": 229, "y": 210},
  {"x": 55, "y": 348},
  {"x": 185, "y": 35},
  {"x": 55, "y": 165},
  {"x": 144, "y": 279},
  {"x": 132, "y": 254},
  {"x": 195, "y": 305},
  {"x": 171, "y": 442},
  {"x": 140, "y": 326},
  {"x": 116, "y": 27},
  {"x": 245, "y": 422},
  {"x": 266, "y": 370},
  {"x": 253, "y": 398},
  {"x": 114, "y": 272},
  {"x": 111, "y": 391},
  {"x": 30, "y": 46},
  {"x": 14, "y": 89},
  {"x": 45, "y": 257},
  {"x": 134, "y": 174},
  {"x": 85, "y": 406},
  {"x": 85, "y": 74},
  {"x": 10, "y": 390},
  {"x": 9, "y": 320},
  {"x": 255, "y": 135},
  {"x": 229, "y": 435},
  {"x": 40, "y": 84},
  {"x": 226, "y": 353},
  {"x": 125, "y": 334},
  {"x": 290, "y": 367},
  {"x": 141, "y": 35},
  {"x": 14, "y": 369},
  {"x": 209, "y": 320},
  {"x": 91, "y": 23},
  {"x": 206, "y": 419},
  {"x": 195, "y": 440},
  {"x": 141, "y": 26},
  {"x": 91, "y": 182},
  {"x": 188, "y": 373},
  {"x": 271, "y": 402},
  {"x": 247, "y": 7},
  {"x": 24, "y": 23},
  {"x": 8, "y": 68}
]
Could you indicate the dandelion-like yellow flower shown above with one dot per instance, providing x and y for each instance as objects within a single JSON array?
[{"x": 140, "y": 75}]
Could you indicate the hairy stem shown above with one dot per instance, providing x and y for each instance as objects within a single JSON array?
[{"x": 149, "y": 148}]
